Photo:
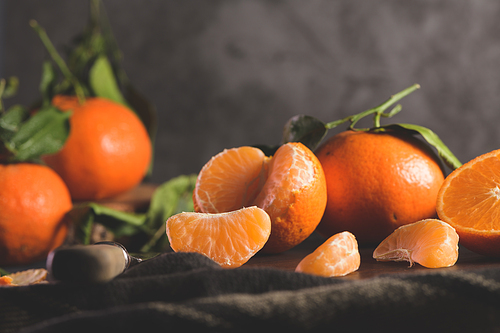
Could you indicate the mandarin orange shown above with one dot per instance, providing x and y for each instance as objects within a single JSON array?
[
  {"x": 230, "y": 239},
  {"x": 338, "y": 256},
  {"x": 107, "y": 152},
  {"x": 376, "y": 182},
  {"x": 290, "y": 186},
  {"x": 431, "y": 243},
  {"x": 469, "y": 200},
  {"x": 33, "y": 203}
]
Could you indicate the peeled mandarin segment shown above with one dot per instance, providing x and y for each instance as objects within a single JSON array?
[
  {"x": 431, "y": 243},
  {"x": 338, "y": 256},
  {"x": 230, "y": 239},
  {"x": 230, "y": 180}
]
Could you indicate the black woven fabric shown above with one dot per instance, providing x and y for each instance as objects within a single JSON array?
[{"x": 177, "y": 291}]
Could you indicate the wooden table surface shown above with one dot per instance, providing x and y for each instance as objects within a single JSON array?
[{"x": 139, "y": 199}]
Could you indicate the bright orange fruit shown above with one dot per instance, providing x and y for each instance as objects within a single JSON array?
[
  {"x": 290, "y": 187},
  {"x": 338, "y": 256},
  {"x": 108, "y": 150},
  {"x": 431, "y": 243},
  {"x": 33, "y": 203},
  {"x": 469, "y": 200},
  {"x": 377, "y": 182},
  {"x": 230, "y": 239}
]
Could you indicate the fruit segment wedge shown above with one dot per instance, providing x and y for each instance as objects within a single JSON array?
[
  {"x": 338, "y": 256},
  {"x": 230, "y": 239},
  {"x": 431, "y": 243}
]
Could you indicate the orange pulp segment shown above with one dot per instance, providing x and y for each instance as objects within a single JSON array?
[
  {"x": 290, "y": 187},
  {"x": 431, "y": 243},
  {"x": 469, "y": 200},
  {"x": 230, "y": 239},
  {"x": 337, "y": 256}
]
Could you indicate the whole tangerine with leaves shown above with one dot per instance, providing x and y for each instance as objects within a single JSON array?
[
  {"x": 337, "y": 256},
  {"x": 230, "y": 239},
  {"x": 376, "y": 182},
  {"x": 108, "y": 150},
  {"x": 469, "y": 200},
  {"x": 290, "y": 186},
  {"x": 34, "y": 201}
]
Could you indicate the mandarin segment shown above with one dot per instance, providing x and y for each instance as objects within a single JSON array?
[
  {"x": 469, "y": 200},
  {"x": 230, "y": 180},
  {"x": 230, "y": 239},
  {"x": 337, "y": 256},
  {"x": 431, "y": 243}
]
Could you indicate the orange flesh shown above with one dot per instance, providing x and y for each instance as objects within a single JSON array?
[
  {"x": 431, "y": 243},
  {"x": 230, "y": 239},
  {"x": 478, "y": 190},
  {"x": 338, "y": 256}
]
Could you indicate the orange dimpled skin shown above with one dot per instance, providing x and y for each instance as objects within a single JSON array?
[
  {"x": 338, "y": 256},
  {"x": 229, "y": 239},
  {"x": 107, "y": 152},
  {"x": 377, "y": 182},
  {"x": 290, "y": 186},
  {"x": 33, "y": 204},
  {"x": 431, "y": 243}
]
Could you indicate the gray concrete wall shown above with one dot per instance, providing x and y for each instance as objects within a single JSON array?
[{"x": 229, "y": 73}]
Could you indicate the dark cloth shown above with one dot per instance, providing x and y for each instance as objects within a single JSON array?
[{"x": 177, "y": 291}]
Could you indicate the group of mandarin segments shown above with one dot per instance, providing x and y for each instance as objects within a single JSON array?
[{"x": 376, "y": 187}]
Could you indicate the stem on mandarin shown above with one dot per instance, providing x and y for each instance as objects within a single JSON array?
[
  {"x": 59, "y": 60},
  {"x": 377, "y": 111}
]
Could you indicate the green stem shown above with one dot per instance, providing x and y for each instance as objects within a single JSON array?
[
  {"x": 80, "y": 94},
  {"x": 376, "y": 111},
  {"x": 2, "y": 89}
]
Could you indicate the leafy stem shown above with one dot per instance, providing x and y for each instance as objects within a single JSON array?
[
  {"x": 377, "y": 111},
  {"x": 59, "y": 60}
]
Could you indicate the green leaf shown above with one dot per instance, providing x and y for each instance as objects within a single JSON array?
[
  {"x": 43, "y": 133},
  {"x": 48, "y": 82},
  {"x": 11, "y": 87},
  {"x": 433, "y": 139},
  {"x": 170, "y": 198},
  {"x": 103, "y": 82},
  {"x": 10, "y": 121},
  {"x": 118, "y": 222},
  {"x": 305, "y": 129}
]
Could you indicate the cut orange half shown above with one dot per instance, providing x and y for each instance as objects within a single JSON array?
[
  {"x": 338, "y": 256},
  {"x": 469, "y": 200},
  {"x": 431, "y": 243},
  {"x": 229, "y": 239}
]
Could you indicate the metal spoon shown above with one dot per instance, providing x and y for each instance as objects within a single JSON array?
[{"x": 95, "y": 263}]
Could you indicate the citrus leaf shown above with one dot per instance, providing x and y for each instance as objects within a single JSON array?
[
  {"x": 305, "y": 129},
  {"x": 48, "y": 82},
  {"x": 170, "y": 198},
  {"x": 43, "y": 133},
  {"x": 11, "y": 121},
  {"x": 118, "y": 222},
  {"x": 102, "y": 81},
  {"x": 433, "y": 139},
  {"x": 11, "y": 86}
]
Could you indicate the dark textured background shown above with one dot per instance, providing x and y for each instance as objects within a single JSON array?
[{"x": 229, "y": 73}]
